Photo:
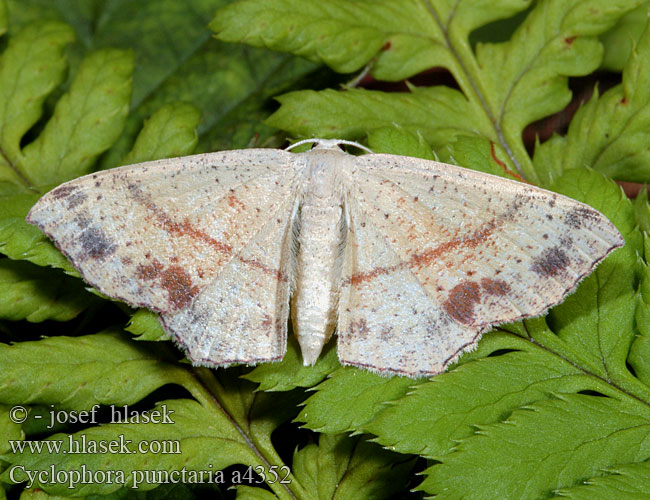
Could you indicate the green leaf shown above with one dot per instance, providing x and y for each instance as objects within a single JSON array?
[
  {"x": 30, "y": 68},
  {"x": 182, "y": 62},
  {"x": 177, "y": 60},
  {"x": 345, "y": 468},
  {"x": 239, "y": 93},
  {"x": 397, "y": 141},
  {"x": 439, "y": 114},
  {"x": 625, "y": 481},
  {"x": 256, "y": 415},
  {"x": 479, "y": 154},
  {"x": 553, "y": 449},
  {"x": 455, "y": 404},
  {"x": 351, "y": 398},
  {"x": 229, "y": 85},
  {"x": 146, "y": 326},
  {"x": 503, "y": 86},
  {"x": 86, "y": 121},
  {"x": 555, "y": 40},
  {"x": 104, "y": 368},
  {"x": 250, "y": 493},
  {"x": 163, "y": 34},
  {"x": 619, "y": 42},
  {"x": 18, "y": 239},
  {"x": 9, "y": 430},
  {"x": 35, "y": 294},
  {"x": 320, "y": 34},
  {"x": 4, "y": 17},
  {"x": 596, "y": 324},
  {"x": 642, "y": 210},
  {"x": 640, "y": 348},
  {"x": 107, "y": 369},
  {"x": 74, "y": 13},
  {"x": 609, "y": 133},
  {"x": 171, "y": 131},
  {"x": 290, "y": 372},
  {"x": 404, "y": 37}
]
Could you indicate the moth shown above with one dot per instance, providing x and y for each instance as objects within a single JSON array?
[{"x": 408, "y": 260}]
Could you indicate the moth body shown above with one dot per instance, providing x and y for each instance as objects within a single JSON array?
[{"x": 320, "y": 233}]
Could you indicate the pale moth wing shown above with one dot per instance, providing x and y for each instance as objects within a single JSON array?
[
  {"x": 203, "y": 240},
  {"x": 453, "y": 251},
  {"x": 411, "y": 259}
]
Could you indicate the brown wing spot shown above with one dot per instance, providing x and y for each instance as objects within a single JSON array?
[
  {"x": 267, "y": 322},
  {"x": 63, "y": 191},
  {"x": 551, "y": 263},
  {"x": 179, "y": 286},
  {"x": 359, "y": 328},
  {"x": 578, "y": 216},
  {"x": 462, "y": 299},
  {"x": 174, "y": 279},
  {"x": 235, "y": 203},
  {"x": 149, "y": 271},
  {"x": 386, "y": 333},
  {"x": 495, "y": 287},
  {"x": 76, "y": 199},
  {"x": 95, "y": 244}
]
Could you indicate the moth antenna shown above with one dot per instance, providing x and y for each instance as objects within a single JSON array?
[{"x": 328, "y": 144}]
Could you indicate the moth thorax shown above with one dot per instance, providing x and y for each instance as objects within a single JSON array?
[{"x": 324, "y": 177}]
